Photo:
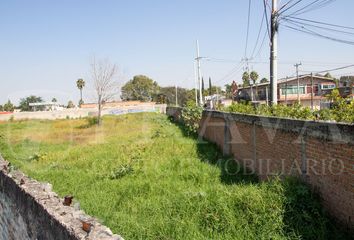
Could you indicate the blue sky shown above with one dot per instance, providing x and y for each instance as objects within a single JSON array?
[{"x": 45, "y": 46}]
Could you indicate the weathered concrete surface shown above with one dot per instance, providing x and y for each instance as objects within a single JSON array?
[
  {"x": 84, "y": 112},
  {"x": 31, "y": 210}
]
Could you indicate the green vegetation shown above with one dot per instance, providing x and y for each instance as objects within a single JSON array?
[
  {"x": 168, "y": 95},
  {"x": 191, "y": 116},
  {"x": 145, "y": 179},
  {"x": 342, "y": 111},
  {"x": 8, "y": 107},
  {"x": 80, "y": 83},
  {"x": 140, "y": 88},
  {"x": 24, "y": 103}
]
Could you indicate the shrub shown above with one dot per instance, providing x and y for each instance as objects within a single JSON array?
[
  {"x": 242, "y": 108},
  {"x": 191, "y": 116},
  {"x": 92, "y": 121},
  {"x": 121, "y": 171},
  {"x": 341, "y": 111}
]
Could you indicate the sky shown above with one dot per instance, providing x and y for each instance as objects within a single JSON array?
[{"x": 45, "y": 46}]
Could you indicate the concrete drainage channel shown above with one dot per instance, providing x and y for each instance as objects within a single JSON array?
[{"x": 31, "y": 210}]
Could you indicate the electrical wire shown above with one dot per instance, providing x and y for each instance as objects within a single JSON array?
[
  {"x": 321, "y": 23},
  {"x": 258, "y": 35},
  {"x": 232, "y": 72},
  {"x": 310, "y": 32},
  {"x": 319, "y": 27},
  {"x": 261, "y": 46},
  {"x": 280, "y": 11},
  {"x": 311, "y": 6},
  {"x": 248, "y": 25},
  {"x": 266, "y": 15}
]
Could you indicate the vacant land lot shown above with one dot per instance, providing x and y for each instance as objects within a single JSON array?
[{"x": 145, "y": 179}]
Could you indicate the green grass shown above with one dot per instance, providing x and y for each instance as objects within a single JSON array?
[{"x": 145, "y": 179}]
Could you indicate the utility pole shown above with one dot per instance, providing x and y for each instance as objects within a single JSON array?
[
  {"x": 311, "y": 91},
  {"x": 286, "y": 91},
  {"x": 199, "y": 75},
  {"x": 176, "y": 96},
  {"x": 298, "y": 81},
  {"x": 274, "y": 53},
  {"x": 196, "y": 84},
  {"x": 246, "y": 59}
]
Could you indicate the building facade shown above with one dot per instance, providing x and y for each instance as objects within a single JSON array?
[{"x": 309, "y": 90}]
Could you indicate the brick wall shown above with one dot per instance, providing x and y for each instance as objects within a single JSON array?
[{"x": 320, "y": 153}]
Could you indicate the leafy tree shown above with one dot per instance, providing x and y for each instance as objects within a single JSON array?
[
  {"x": 264, "y": 80},
  {"x": 8, "y": 107},
  {"x": 140, "y": 88},
  {"x": 246, "y": 79},
  {"x": 213, "y": 90},
  {"x": 168, "y": 95},
  {"x": 80, "y": 83},
  {"x": 1, "y": 108},
  {"x": 70, "y": 104},
  {"x": 228, "y": 90},
  {"x": 54, "y": 100},
  {"x": 24, "y": 103},
  {"x": 210, "y": 92},
  {"x": 254, "y": 76}
]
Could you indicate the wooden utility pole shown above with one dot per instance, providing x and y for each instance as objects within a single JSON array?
[{"x": 273, "y": 54}]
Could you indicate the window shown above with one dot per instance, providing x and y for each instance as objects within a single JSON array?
[
  {"x": 292, "y": 89},
  {"x": 329, "y": 86}
]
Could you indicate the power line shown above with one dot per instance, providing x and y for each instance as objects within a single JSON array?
[
  {"x": 319, "y": 27},
  {"x": 232, "y": 72},
  {"x": 261, "y": 46},
  {"x": 336, "y": 69},
  {"x": 306, "y": 6},
  {"x": 248, "y": 25},
  {"x": 266, "y": 15},
  {"x": 322, "y": 23},
  {"x": 329, "y": 70},
  {"x": 311, "y": 6},
  {"x": 258, "y": 35},
  {"x": 307, "y": 31},
  {"x": 286, "y": 4},
  {"x": 290, "y": 7}
]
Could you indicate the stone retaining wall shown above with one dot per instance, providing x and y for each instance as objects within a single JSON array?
[{"x": 31, "y": 210}]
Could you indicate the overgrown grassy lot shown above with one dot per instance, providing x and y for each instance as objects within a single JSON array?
[{"x": 145, "y": 179}]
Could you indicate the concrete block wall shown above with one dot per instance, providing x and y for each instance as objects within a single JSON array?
[
  {"x": 84, "y": 112},
  {"x": 320, "y": 153}
]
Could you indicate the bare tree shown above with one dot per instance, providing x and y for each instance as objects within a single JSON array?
[{"x": 103, "y": 73}]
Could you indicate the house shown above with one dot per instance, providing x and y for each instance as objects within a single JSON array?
[
  {"x": 45, "y": 106},
  {"x": 309, "y": 91}
]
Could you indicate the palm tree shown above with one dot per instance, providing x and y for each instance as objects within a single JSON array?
[
  {"x": 246, "y": 79},
  {"x": 80, "y": 83},
  {"x": 254, "y": 76}
]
